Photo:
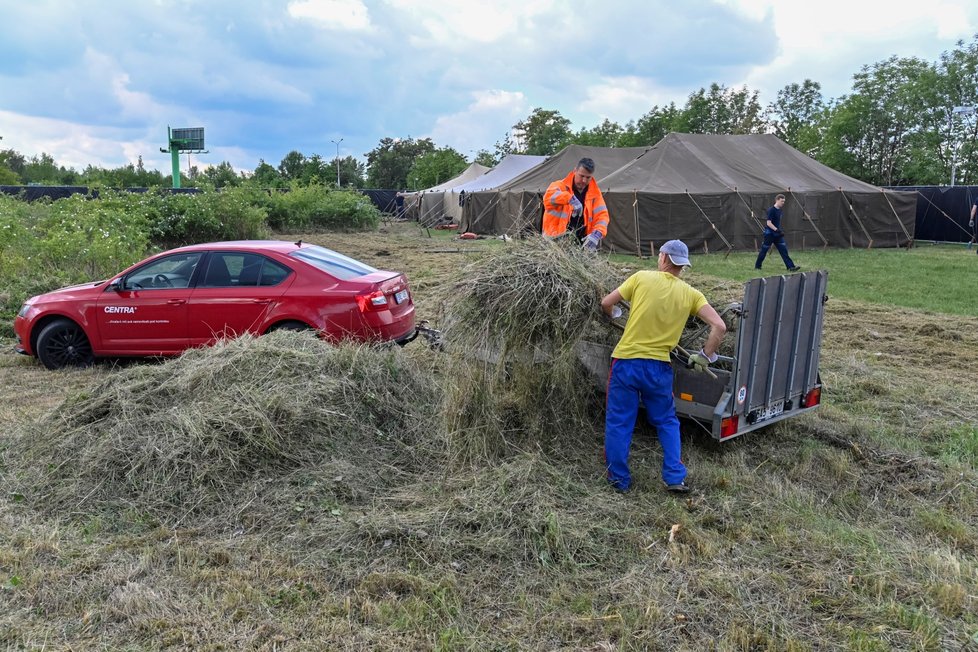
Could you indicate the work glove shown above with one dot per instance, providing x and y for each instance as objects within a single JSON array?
[
  {"x": 971, "y": 223},
  {"x": 576, "y": 206},
  {"x": 700, "y": 361},
  {"x": 592, "y": 241}
]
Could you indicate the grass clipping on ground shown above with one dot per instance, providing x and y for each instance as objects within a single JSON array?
[
  {"x": 514, "y": 324},
  {"x": 251, "y": 430}
]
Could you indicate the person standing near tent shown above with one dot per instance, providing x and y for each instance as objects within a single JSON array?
[
  {"x": 971, "y": 225},
  {"x": 774, "y": 235},
  {"x": 641, "y": 370},
  {"x": 574, "y": 204},
  {"x": 399, "y": 204}
]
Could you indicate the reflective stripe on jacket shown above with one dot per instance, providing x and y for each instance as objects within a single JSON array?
[{"x": 557, "y": 208}]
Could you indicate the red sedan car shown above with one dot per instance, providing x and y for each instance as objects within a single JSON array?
[{"x": 194, "y": 295}]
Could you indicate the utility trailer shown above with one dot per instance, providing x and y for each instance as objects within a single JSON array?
[{"x": 773, "y": 372}]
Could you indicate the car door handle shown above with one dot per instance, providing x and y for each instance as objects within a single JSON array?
[
  {"x": 261, "y": 300},
  {"x": 176, "y": 302}
]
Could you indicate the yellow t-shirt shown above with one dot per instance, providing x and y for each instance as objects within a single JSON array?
[{"x": 661, "y": 303}]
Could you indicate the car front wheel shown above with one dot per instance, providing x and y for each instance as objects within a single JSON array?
[{"x": 63, "y": 343}]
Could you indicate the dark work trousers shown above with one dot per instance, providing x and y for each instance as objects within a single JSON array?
[{"x": 776, "y": 239}]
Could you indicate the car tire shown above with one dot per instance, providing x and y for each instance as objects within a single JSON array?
[
  {"x": 63, "y": 343},
  {"x": 290, "y": 326}
]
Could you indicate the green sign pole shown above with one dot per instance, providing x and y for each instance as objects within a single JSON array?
[{"x": 175, "y": 159}]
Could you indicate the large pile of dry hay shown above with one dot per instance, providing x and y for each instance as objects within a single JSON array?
[
  {"x": 249, "y": 431},
  {"x": 513, "y": 323}
]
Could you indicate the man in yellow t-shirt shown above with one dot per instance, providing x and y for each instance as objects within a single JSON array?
[{"x": 640, "y": 367}]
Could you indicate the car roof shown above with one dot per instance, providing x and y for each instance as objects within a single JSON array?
[{"x": 280, "y": 246}]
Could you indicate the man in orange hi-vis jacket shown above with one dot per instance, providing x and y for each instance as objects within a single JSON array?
[{"x": 574, "y": 204}]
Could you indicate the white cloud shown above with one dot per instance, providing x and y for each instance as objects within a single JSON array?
[
  {"x": 481, "y": 123},
  {"x": 333, "y": 14},
  {"x": 621, "y": 99},
  {"x": 458, "y": 23},
  {"x": 76, "y": 145}
]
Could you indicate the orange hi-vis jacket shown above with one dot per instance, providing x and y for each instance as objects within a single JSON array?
[{"x": 557, "y": 208}]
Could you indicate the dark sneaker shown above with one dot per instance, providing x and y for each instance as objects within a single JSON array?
[
  {"x": 619, "y": 488},
  {"x": 794, "y": 269},
  {"x": 757, "y": 266},
  {"x": 681, "y": 488}
]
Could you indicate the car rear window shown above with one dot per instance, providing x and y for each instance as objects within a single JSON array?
[{"x": 338, "y": 265}]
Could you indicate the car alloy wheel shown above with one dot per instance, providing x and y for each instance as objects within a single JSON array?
[{"x": 63, "y": 343}]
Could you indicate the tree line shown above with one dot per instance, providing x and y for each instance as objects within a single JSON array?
[{"x": 905, "y": 121}]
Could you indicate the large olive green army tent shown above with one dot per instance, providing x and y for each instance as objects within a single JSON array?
[
  {"x": 713, "y": 192},
  {"x": 517, "y": 205}
]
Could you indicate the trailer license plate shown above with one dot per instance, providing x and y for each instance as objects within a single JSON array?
[
  {"x": 401, "y": 296},
  {"x": 771, "y": 411}
]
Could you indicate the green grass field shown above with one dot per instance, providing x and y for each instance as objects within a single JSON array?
[{"x": 938, "y": 279}]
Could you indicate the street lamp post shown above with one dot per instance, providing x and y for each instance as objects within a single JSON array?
[
  {"x": 958, "y": 110},
  {"x": 337, "y": 143}
]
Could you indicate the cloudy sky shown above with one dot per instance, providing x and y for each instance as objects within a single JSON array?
[{"x": 98, "y": 81}]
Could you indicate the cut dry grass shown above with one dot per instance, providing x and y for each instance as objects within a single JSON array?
[
  {"x": 514, "y": 324},
  {"x": 254, "y": 432}
]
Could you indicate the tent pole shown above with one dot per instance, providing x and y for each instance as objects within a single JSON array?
[
  {"x": 638, "y": 234},
  {"x": 852, "y": 210},
  {"x": 715, "y": 229},
  {"x": 825, "y": 243},
  {"x": 909, "y": 239}
]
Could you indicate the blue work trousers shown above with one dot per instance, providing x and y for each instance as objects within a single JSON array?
[
  {"x": 777, "y": 239},
  {"x": 648, "y": 381}
]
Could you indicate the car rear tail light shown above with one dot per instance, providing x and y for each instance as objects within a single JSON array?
[
  {"x": 372, "y": 302},
  {"x": 812, "y": 398},
  {"x": 729, "y": 425}
]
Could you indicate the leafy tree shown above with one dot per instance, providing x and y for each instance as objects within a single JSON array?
[
  {"x": 721, "y": 110},
  {"x": 870, "y": 133},
  {"x": 606, "y": 134},
  {"x": 651, "y": 127},
  {"x": 221, "y": 175},
  {"x": 43, "y": 170},
  {"x": 13, "y": 160},
  {"x": 267, "y": 176},
  {"x": 486, "y": 158},
  {"x": 955, "y": 85},
  {"x": 352, "y": 172},
  {"x": 794, "y": 115},
  {"x": 389, "y": 163},
  {"x": 8, "y": 177},
  {"x": 542, "y": 133},
  {"x": 435, "y": 167},
  {"x": 292, "y": 166}
]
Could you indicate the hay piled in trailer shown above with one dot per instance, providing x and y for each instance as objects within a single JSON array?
[
  {"x": 253, "y": 431},
  {"x": 514, "y": 323},
  {"x": 520, "y": 325}
]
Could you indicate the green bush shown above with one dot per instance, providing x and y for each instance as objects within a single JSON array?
[
  {"x": 317, "y": 208},
  {"x": 45, "y": 245},
  {"x": 231, "y": 214}
]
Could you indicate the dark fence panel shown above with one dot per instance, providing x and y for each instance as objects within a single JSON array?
[
  {"x": 943, "y": 212},
  {"x": 33, "y": 193}
]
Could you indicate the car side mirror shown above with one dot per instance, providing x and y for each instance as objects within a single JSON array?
[{"x": 115, "y": 285}]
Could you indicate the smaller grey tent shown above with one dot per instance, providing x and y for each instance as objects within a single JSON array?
[
  {"x": 428, "y": 206},
  {"x": 512, "y": 166}
]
